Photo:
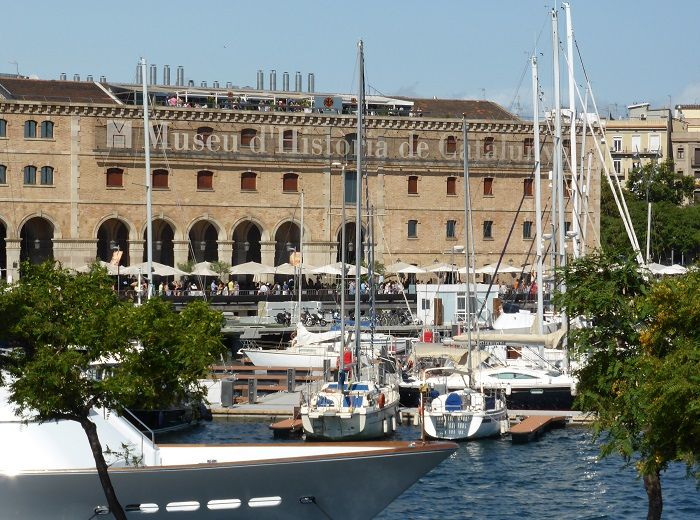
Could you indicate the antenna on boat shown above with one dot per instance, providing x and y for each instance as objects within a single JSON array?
[{"x": 149, "y": 208}]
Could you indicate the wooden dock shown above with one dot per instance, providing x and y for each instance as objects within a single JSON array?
[
  {"x": 288, "y": 428},
  {"x": 533, "y": 426}
]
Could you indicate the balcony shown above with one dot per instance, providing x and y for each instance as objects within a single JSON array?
[{"x": 644, "y": 152}]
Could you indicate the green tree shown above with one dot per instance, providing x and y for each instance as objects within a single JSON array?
[
  {"x": 63, "y": 323},
  {"x": 639, "y": 348},
  {"x": 221, "y": 268},
  {"x": 658, "y": 182}
]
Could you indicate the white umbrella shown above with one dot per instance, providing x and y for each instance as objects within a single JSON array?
[
  {"x": 410, "y": 269},
  {"x": 111, "y": 269},
  {"x": 491, "y": 269},
  {"x": 656, "y": 268},
  {"x": 252, "y": 268},
  {"x": 332, "y": 269},
  {"x": 396, "y": 267},
  {"x": 674, "y": 269},
  {"x": 440, "y": 268},
  {"x": 158, "y": 269},
  {"x": 203, "y": 269},
  {"x": 289, "y": 269}
]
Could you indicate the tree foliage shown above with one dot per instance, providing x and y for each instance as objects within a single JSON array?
[
  {"x": 221, "y": 268},
  {"x": 62, "y": 324},
  {"x": 640, "y": 372},
  {"x": 658, "y": 182},
  {"x": 675, "y": 229}
]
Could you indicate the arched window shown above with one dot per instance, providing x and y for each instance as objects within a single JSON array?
[
  {"x": 46, "y": 176},
  {"x": 528, "y": 145},
  {"x": 3, "y": 128},
  {"x": 46, "y": 131},
  {"x": 413, "y": 184},
  {"x": 290, "y": 182},
  {"x": 30, "y": 129},
  {"x": 488, "y": 145},
  {"x": 204, "y": 133},
  {"x": 452, "y": 185},
  {"x": 249, "y": 181},
  {"x": 288, "y": 140},
  {"x": 159, "y": 179},
  {"x": 30, "y": 175},
  {"x": 205, "y": 180},
  {"x": 115, "y": 177},
  {"x": 3, "y": 174},
  {"x": 451, "y": 144},
  {"x": 247, "y": 136}
]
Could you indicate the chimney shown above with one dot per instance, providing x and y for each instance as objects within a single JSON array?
[
  {"x": 297, "y": 82},
  {"x": 63, "y": 76},
  {"x": 285, "y": 81},
  {"x": 76, "y": 77},
  {"x": 180, "y": 76},
  {"x": 310, "y": 86},
  {"x": 261, "y": 80},
  {"x": 190, "y": 83},
  {"x": 139, "y": 74},
  {"x": 103, "y": 79},
  {"x": 166, "y": 75},
  {"x": 153, "y": 75},
  {"x": 89, "y": 78},
  {"x": 203, "y": 84},
  {"x": 273, "y": 80},
  {"x": 229, "y": 84},
  {"x": 216, "y": 84}
]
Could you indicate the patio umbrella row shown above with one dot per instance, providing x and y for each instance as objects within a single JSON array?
[{"x": 256, "y": 268}]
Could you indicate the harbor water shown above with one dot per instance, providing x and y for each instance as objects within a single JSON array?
[{"x": 559, "y": 477}]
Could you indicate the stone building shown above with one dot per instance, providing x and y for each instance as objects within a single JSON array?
[{"x": 228, "y": 167}]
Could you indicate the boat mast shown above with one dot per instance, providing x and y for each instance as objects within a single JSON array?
[
  {"x": 467, "y": 251},
  {"x": 575, "y": 222},
  {"x": 538, "y": 192},
  {"x": 358, "y": 198},
  {"x": 558, "y": 172},
  {"x": 149, "y": 189},
  {"x": 342, "y": 278},
  {"x": 300, "y": 259}
]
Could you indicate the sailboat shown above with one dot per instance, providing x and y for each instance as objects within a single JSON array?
[
  {"x": 469, "y": 412},
  {"x": 366, "y": 407}
]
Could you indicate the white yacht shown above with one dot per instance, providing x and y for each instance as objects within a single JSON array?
[
  {"x": 309, "y": 349},
  {"x": 465, "y": 414},
  {"x": 362, "y": 410},
  {"x": 47, "y": 471}
]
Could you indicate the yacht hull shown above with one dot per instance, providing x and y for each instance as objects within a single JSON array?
[
  {"x": 462, "y": 426},
  {"x": 350, "y": 426},
  {"x": 293, "y": 488}
]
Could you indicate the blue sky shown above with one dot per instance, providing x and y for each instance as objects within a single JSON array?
[{"x": 633, "y": 50}]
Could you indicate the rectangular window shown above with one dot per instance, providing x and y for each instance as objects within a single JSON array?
[
  {"x": 527, "y": 187},
  {"x": 413, "y": 185},
  {"x": 488, "y": 186},
  {"x": 697, "y": 175},
  {"x": 617, "y": 144},
  {"x": 46, "y": 130},
  {"x": 528, "y": 145},
  {"x": 654, "y": 142},
  {"x": 452, "y": 185},
  {"x": 159, "y": 179},
  {"x": 3, "y": 174},
  {"x": 617, "y": 166},
  {"x": 205, "y": 180},
  {"x": 696, "y": 158},
  {"x": 527, "y": 229},
  {"x": 115, "y": 177},
  {"x": 488, "y": 145},
  {"x": 350, "y": 187},
  {"x": 414, "y": 143},
  {"x": 30, "y": 175},
  {"x": 425, "y": 304},
  {"x": 46, "y": 176},
  {"x": 636, "y": 143},
  {"x": 30, "y": 129},
  {"x": 451, "y": 229},
  {"x": 488, "y": 229},
  {"x": 412, "y": 229},
  {"x": 3, "y": 128},
  {"x": 680, "y": 153},
  {"x": 567, "y": 227},
  {"x": 290, "y": 182}
]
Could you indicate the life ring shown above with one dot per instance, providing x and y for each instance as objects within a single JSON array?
[{"x": 381, "y": 400}]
